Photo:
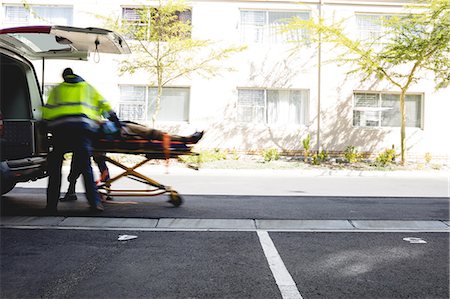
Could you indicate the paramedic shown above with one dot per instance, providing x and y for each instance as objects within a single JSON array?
[{"x": 72, "y": 111}]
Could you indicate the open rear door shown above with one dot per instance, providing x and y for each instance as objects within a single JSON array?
[{"x": 62, "y": 42}]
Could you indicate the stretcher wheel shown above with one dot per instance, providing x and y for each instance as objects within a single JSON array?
[{"x": 175, "y": 199}]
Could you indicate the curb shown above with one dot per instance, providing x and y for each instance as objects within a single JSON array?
[{"x": 169, "y": 224}]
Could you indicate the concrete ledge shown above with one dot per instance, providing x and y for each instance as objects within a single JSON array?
[
  {"x": 206, "y": 223},
  {"x": 223, "y": 224},
  {"x": 398, "y": 224},
  {"x": 109, "y": 222},
  {"x": 303, "y": 224},
  {"x": 31, "y": 220}
]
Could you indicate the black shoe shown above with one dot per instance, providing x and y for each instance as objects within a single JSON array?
[
  {"x": 194, "y": 138},
  {"x": 69, "y": 197},
  {"x": 97, "y": 208}
]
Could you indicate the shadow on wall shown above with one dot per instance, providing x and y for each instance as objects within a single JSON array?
[
  {"x": 264, "y": 72},
  {"x": 338, "y": 131},
  {"x": 251, "y": 137},
  {"x": 267, "y": 73}
]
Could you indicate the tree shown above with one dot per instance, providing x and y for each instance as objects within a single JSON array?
[
  {"x": 164, "y": 48},
  {"x": 415, "y": 44}
]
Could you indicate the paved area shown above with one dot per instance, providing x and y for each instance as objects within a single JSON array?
[
  {"x": 93, "y": 262},
  {"x": 237, "y": 235}
]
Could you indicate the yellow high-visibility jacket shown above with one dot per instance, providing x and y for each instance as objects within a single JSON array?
[{"x": 75, "y": 99}]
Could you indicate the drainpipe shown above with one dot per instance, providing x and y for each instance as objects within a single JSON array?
[
  {"x": 42, "y": 76},
  {"x": 319, "y": 80}
]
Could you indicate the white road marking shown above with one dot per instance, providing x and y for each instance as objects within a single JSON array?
[
  {"x": 284, "y": 280},
  {"x": 126, "y": 237},
  {"x": 413, "y": 240}
]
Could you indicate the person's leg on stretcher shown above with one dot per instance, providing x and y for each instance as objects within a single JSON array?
[{"x": 132, "y": 130}]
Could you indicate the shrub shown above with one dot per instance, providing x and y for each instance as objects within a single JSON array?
[
  {"x": 386, "y": 157},
  {"x": 323, "y": 155},
  {"x": 318, "y": 158},
  {"x": 233, "y": 155},
  {"x": 351, "y": 154},
  {"x": 205, "y": 156},
  {"x": 428, "y": 158},
  {"x": 271, "y": 155},
  {"x": 306, "y": 145},
  {"x": 315, "y": 160},
  {"x": 212, "y": 155}
]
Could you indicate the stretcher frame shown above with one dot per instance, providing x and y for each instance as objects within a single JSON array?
[{"x": 158, "y": 151}]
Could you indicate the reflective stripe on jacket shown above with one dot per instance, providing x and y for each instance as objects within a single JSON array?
[{"x": 80, "y": 98}]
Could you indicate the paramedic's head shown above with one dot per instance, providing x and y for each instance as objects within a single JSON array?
[{"x": 67, "y": 72}]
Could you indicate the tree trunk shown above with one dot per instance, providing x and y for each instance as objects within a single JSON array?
[
  {"x": 159, "y": 75},
  {"x": 157, "y": 105},
  {"x": 403, "y": 127}
]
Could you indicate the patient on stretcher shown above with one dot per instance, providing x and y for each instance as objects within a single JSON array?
[
  {"x": 132, "y": 130},
  {"x": 128, "y": 131}
]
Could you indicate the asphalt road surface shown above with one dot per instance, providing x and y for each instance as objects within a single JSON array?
[{"x": 232, "y": 244}]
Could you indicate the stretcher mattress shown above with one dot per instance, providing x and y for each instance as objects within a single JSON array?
[{"x": 154, "y": 149}]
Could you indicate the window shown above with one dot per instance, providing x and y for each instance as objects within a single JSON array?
[
  {"x": 383, "y": 110},
  {"x": 14, "y": 90},
  {"x": 371, "y": 27},
  {"x": 174, "y": 104},
  {"x": 138, "y": 20},
  {"x": 259, "y": 26},
  {"x": 16, "y": 15},
  {"x": 37, "y": 14},
  {"x": 138, "y": 103},
  {"x": 135, "y": 18},
  {"x": 273, "y": 106}
]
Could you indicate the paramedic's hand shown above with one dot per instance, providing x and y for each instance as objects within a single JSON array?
[{"x": 112, "y": 116}]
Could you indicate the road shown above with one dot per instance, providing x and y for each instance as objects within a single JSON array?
[
  {"x": 291, "y": 182},
  {"x": 237, "y": 235}
]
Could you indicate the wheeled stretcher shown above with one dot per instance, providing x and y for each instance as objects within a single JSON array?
[{"x": 150, "y": 150}]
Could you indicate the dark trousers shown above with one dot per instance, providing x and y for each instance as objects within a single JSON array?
[
  {"x": 75, "y": 138},
  {"x": 99, "y": 160}
]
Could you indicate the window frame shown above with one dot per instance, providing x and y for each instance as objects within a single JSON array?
[
  {"x": 380, "y": 35},
  {"x": 304, "y": 117},
  {"x": 266, "y": 36},
  {"x": 139, "y": 21},
  {"x": 147, "y": 103},
  {"x": 379, "y": 108},
  {"x": 31, "y": 14}
]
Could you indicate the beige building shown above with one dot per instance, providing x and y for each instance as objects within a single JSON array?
[{"x": 275, "y": 96}]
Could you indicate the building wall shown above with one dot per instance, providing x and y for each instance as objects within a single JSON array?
[{"x": 213, "y": 102}]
